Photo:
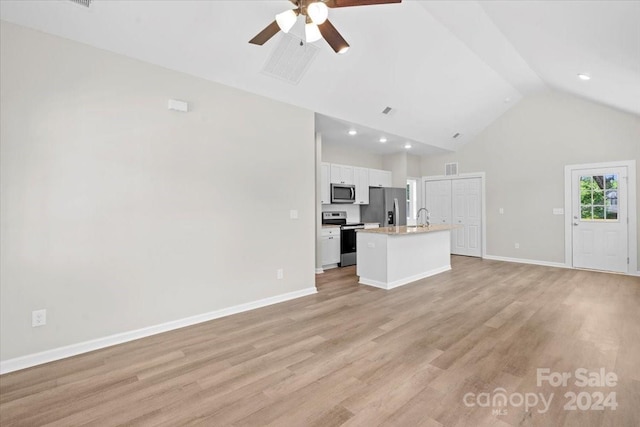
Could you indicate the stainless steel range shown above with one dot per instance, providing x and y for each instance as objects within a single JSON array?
[{"x": 347, "y": 235}]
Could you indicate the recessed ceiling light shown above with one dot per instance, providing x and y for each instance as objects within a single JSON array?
[
  {"x": 584, "y": 77},
  {"x": 506, "y": 100},
  {"x": 407, "y": 145},
  {"x": 383, "y": 139},
  {"x": 353, "y": 132}
]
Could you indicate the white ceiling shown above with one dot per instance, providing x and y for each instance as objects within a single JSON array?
[{"x": 444, "y": 66}]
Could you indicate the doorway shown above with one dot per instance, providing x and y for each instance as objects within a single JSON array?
[{"x": 598, "y": 210}]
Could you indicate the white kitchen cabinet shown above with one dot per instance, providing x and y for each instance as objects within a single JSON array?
[
  {"x": 330, "y": 246},
  {"x": 379, "y": 178},
  {"x": 325, "y": 184},
  {"x": 341, "y": 174},
  {"x": 361, "y": 179}
]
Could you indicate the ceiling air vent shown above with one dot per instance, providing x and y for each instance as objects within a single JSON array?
[
  {"x": 387, "y": 110},
  {"x": 451, "y": 169},
  {"x": 290, "y": 59},
  {"x": 85, "y": 3},
  {"x": 456, "y": 135}
]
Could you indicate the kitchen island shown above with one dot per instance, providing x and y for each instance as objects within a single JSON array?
[{"x": 389, "y": 257}]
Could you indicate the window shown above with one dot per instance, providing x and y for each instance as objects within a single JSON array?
[
  {"x": 412, "y": 202},
  {"x": 599, "y": 197}
]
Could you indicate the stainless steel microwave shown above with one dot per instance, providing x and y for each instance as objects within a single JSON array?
[{"x": 343, "y": 193}]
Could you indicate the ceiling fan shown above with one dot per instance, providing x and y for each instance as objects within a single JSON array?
[{"x": 317, "y": 25}]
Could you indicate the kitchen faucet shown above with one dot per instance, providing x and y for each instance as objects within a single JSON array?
[{"x": 426, "y": 216}]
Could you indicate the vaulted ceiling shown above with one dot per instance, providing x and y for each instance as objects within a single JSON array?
[{"x": 445, "y": 67}]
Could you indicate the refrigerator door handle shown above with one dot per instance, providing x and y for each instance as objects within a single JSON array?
[{"x": 396, "y": 212}]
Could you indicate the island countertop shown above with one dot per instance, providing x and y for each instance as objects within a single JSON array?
[{"x": 404, "y": 229}]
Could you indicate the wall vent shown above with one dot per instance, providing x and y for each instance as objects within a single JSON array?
[
  {"x": 387, "y": 110},
  {"x": 85, "y": 3},
  {"x": 451, "y": 169},
  {"x": 457, "y": 134},
  {"x": 290, "y": 59}
]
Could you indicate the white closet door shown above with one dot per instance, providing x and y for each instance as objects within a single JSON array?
[
  {"x": 466, "y": 200},
  {"x": 458, "y": 201},
  {"x": 438, "y": 201}
]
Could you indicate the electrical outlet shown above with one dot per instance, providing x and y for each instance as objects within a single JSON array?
[
  {"x": 280, "y": 273},
  {"x": 517, "y": 245},
  {"x": 38, "y": 318},
  {"x": 293, "y": 214}
]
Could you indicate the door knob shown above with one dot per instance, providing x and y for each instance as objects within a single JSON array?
[{"x": 575, "y": 223}]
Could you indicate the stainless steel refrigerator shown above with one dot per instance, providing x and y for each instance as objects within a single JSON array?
[{"x": 387, "y": 206}]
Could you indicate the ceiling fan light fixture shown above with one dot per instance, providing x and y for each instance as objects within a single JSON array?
[
  {"x": 318, "y": 12},
  {"x": 286, "y": 20},
  {"x": 311, "y": 32}
]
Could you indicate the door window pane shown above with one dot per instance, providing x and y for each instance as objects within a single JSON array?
[{"x": 599, "y": 197}]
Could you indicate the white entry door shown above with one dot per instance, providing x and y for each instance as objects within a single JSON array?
[
  {"x": 599, "y": 219},
  {"x": 466, "y": 213}
]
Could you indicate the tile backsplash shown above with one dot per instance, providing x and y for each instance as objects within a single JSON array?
[{"x": 353, "y": 211}]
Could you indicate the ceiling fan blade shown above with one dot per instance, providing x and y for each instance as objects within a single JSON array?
[
  {"x": 333, "y": 37},
  {"x": 348, "y": 3},
  {"x": 263, "y": 36}
]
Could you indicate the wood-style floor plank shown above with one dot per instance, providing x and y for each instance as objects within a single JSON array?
[{"x": 354, "y": 355}]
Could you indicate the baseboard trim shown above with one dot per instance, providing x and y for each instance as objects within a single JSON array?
[
  {"x": 319, "y": 271},
  {"x": 395, "y": 284},
  {"x": 547, "y": 264},
  {"x": 526, "y": 261},
  {"x": 47, "y": 356}
]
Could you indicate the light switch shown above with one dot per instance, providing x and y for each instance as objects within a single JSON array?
[
  {"x": 293, "y": 214},
  {"x": 558, "y": 211}
]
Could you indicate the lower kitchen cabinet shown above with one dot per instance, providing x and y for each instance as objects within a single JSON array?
[{"x": 330, "y": 246}]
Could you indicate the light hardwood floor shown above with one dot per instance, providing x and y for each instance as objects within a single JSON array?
[{"x": 354, "y": 355}]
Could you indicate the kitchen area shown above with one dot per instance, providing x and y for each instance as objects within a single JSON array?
[
  {"x": 355, "y": 198},
  {"x": 364, "y": 223}
]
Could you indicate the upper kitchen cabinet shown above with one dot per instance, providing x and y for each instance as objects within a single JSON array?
[
  {"x": 379, "y": 178},
  {"x": 341, "y": 174},
  {"x": 361, "y": 177},
  {"x": 325, "y": 184}
]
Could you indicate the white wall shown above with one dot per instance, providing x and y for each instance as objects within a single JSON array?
[
  {"x": 524, "y": 153},
  {"x": 397, "y": 164},
  {"x": 346, "y": 155},
  {"x": 118, "y": 214},
  {"x": 414, "y": 166}
]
